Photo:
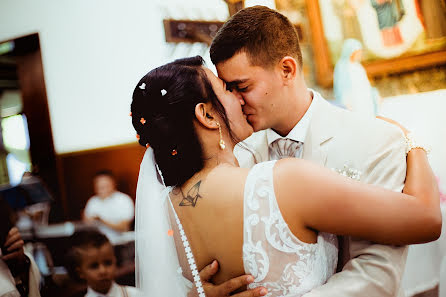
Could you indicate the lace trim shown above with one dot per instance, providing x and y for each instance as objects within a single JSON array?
[{"x": 189, "y": 255}]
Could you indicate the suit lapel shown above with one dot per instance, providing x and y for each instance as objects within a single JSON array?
[
  {"x": 313, "y": 152},
  {"x": 320, "y": 132}
]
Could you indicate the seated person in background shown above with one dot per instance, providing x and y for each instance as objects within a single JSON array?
[
  {"x": 19, "y": 275},
  {"x": 91, "y": 258},
  {"x": 37, "y": 196},
  {"x": 109, "y": 206}
]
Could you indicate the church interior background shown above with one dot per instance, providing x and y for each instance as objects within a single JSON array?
[{"x": 67, "y": 70}]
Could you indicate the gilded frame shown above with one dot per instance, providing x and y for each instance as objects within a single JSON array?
[{"x": 324, "y": 67}]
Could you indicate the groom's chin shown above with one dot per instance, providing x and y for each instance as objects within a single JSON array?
[{"x": 254, "y": 123}]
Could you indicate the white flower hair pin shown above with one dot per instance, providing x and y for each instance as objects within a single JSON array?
[
  {"x": 349, "y": 172},
  {"x": 142, "y": 86},
  {"x": 163, "y": 92}
]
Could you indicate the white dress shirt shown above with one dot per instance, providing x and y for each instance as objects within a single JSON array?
[
  {"x": 115, "y": 291},
  {"x": 114, "y": 209}
]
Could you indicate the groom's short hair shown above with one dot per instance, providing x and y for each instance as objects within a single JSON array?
[{"x": 264, "y": 34}]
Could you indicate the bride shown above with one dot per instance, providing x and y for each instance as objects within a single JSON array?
[{"x": 276, "y": 221}]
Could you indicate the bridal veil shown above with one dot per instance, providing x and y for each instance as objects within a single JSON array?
[{"x": 160, "y": 259}]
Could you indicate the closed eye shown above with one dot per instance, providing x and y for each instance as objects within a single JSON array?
[{"x": 234, "y": 85}]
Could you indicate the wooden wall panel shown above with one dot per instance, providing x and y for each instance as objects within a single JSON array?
[{"x": 79, "y": 168}]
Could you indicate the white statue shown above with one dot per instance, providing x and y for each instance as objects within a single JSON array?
[{"x": 351, "y": 85}]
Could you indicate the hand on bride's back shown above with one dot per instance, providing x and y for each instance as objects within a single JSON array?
[{"x": 229, "y": 286}]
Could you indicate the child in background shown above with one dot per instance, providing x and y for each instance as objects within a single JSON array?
[{"x": 92, "y": 259}]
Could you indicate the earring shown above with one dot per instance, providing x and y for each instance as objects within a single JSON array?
[{"x": 221, "y": 142}]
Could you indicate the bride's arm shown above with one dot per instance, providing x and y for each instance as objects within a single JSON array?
[
  {"x": 325, "y": 201},
  {"x": 420, "y": 179}
]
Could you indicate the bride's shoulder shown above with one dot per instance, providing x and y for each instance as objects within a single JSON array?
[
  {"x": 287, "y": 171},
  {"x": 291, "y": 165},
  {"x": 228, "y": 173},
  {"x": 226, "y": 180}
]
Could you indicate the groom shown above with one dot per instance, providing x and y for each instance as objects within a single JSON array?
[{"x": 257, "y": 54}]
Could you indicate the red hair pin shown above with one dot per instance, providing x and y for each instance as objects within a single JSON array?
[
  {"x": 174, "y": 152},
  {"x": 143, "y": 121}
]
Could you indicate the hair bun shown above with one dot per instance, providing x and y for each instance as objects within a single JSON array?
[{"x": 163, "y": 114}]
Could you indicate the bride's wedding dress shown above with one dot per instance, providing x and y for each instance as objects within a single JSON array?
[{"x": 276, "y": 258}]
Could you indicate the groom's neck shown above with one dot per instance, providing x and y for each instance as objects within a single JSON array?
[{"x": 293, "y": 112}]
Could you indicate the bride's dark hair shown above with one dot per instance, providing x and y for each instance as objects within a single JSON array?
[{"x": 163, "y": 112}]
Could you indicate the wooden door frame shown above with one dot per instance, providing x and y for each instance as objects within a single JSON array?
[{"x": 35, "y": 107}]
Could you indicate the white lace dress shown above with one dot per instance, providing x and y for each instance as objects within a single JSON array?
[{"x": 276, "y": 258}]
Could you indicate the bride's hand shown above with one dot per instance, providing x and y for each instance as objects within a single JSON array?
[{"x": 226, "y": 288}]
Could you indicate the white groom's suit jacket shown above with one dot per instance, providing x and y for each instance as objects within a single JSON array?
[{"x": 338, "y": 138}]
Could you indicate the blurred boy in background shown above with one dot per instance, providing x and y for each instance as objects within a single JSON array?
[{"x": 92, "y": 259}]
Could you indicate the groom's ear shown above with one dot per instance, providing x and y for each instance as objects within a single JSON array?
[
  {"x": 288, "y": 68},
  {"x": 204, "y": 115}
]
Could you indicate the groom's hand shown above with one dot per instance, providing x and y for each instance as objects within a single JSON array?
[{"x": 226, "y": 288}]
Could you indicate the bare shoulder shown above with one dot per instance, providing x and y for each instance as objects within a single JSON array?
[
  {"x": 231, "y": 171},
  {"x": 226, "y": 178},
  {"x": 297, "y": 174},
  {"x": 289, "y": 166}
]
